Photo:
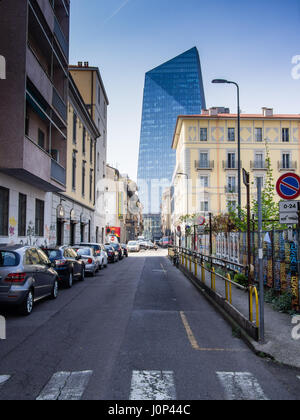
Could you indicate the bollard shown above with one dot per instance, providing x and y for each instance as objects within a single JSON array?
[
  {"x": 230, "y": 288},
  {"x": 252, "y": 290},
  {"x": 213, "y": 279},
  {"x": 196, "y": 268},
  {"x": 203, "y": 273},
  {"x": 190, "y": 264}
]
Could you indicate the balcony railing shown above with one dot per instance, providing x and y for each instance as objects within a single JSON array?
[
  {"x": 59, "y": 105},
  {"x": 287, "y": 166},
  {"x": 58, "y": 173},
  {"x": 208, "y": 165},
  {"x": 231, "y": 189},
  {"x": 230, "y": 165},
  {"x": 256, "y": 164},
  {"x": 61, "y": 38}
]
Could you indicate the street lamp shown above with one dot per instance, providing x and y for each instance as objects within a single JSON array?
[{"x": 239, "y": 137}]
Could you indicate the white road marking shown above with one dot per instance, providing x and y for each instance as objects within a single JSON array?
[
  {"x": 3, "y": 379},
  {"x": 68, "y": 386},
  {"x": 152, "y": 385},
  {"x": 241, "y": 386}
]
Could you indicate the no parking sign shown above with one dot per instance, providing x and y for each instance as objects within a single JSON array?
[{"x": 288, "y": 186}]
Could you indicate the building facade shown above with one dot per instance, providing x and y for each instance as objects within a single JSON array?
[
  {"x": 173, "y": 88},
  {"x": 33, "y": 116},
  {"x": 73, "y": 211},
  {"x": 206, "y": 151},
  {"x": 91, "y": 87}
]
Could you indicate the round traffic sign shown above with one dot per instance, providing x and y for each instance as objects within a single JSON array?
[
  {"x": 288, "y": 186},
  {"x": 201, "y": 221}
]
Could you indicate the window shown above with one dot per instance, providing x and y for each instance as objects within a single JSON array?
[
  {"x": 74, "y": 128},
  {"x": 231, "y": 205},
  {"x": 204, "y": 206},
  {"x": 4, "y": 204},
  {"x": 204, "y": 181},
  {"x": 83, "y": 179},
  {"x": 258, "y": 134},
  {"x": 91, "y": 151},
  {"x": 39, "y": 217},
  {"x": 27, "y": 124},
  {"x": 231, "y": 160},
  {"x": 41, "y": 139},
  {"x": 231, "y": 184},
  {"x": 44, "y": 260},
  {"x": 203, "y": 134},
  {"x": 83, "y": 140},
  {"x": 91, "y": 184},
  {"x": 259, "y": 161},
  {"x": 204, "y": 160},
  {"x": 8, "y": 259},
  {"x": 286, "y": 161},
  {"x": 74, "y": 164},
  {"x": 285, "y": 135},
  {"x": 22, "y": 215},
  {"x": 231, "y": 134}
]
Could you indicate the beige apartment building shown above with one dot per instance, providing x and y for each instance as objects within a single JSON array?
[{"x": 206, "y": 179}]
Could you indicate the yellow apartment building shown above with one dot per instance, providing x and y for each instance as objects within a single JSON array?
[
  {"x": 91, "y": 87},
  {"x": 206, "y": 177},
  {"x": 74, "y": 209}
]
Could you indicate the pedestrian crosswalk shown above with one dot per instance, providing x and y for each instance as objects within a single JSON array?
[
  {"x": 66, "y": 386},
  {"x": 147, "y": 385}
]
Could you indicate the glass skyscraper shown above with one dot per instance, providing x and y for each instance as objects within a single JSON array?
[{"x": 174, "y": 88}]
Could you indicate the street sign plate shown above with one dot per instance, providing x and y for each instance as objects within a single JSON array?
[
  {"x": 288, "y": 211},
  {"x": 288, "y": 186},
  {"x": 201, "y": 221}
]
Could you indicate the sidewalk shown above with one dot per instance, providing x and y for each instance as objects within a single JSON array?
[{"x": 279, "y": 343}]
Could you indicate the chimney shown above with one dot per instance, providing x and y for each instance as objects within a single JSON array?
[
  {"x": 205, "y": 112},
  {"x": 86, "y": 64},
  {"x": 79, "y": 63},
  {"x": 213, "y": 111},
  {"x": 267, "y": 112}
]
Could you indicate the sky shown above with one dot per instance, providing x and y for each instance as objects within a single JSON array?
[{"x": 254, "y": 43}]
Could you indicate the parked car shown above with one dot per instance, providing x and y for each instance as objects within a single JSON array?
[
  {"x": 112, "y": 254},
  {"x": 125, "y": 250},
  {"x": 100, "y": 253},
  {"x": 68, "y": 264},
  {"x": 133, "y": 246},
  {"x": 118, "y": 248},
  {"x": 151, "y": 245},
  {"x": 144, "y": 245},
  {"x": 26, "y": 276},
  {"x": 89, "y": 257}
]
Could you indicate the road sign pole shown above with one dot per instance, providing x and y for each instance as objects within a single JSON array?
[{"x": 260, "y": 256}]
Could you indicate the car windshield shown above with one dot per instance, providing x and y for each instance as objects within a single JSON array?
[
  {"x": 108, "y": 248},
  {"x": 8, "y": 259},
  {"x": 95, "y": 247},
  {"x": 83, "y": 251},
  {"x": 53, "y": 254}
]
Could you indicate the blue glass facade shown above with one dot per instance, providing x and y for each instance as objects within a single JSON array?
[{"x": 174, "y": 88}]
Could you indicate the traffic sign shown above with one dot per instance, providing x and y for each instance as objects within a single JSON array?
[
  {"x": 288, "y": 186},
  {"x": 289, "y": 212},
  {"x": 201, "y": 221}
]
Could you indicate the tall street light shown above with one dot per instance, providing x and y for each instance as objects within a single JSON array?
[{"x": 239, "y": 137}]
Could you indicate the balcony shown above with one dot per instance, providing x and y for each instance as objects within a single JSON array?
[
  {"x": 38, "y": 76},
  {"x": 258, "y": 165},
  {"x": 61, "y": 38},
  {"x": 232, "y": 189},
  {"x": 58, "y": 173},
  {"x": 287, "y": 166},
  {"x": 204, "y": 165},
  {"x": 47, "y": 10},
  {"x": 59, "y": 105},
  {"x": 229, "y": 166}
]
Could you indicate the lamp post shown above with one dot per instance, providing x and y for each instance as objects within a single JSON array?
[{"x": 239, "y": 137}]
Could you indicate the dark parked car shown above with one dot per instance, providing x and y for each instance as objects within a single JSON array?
[
  {"x": 112, "y": 254},
  {"x": 26, "y": 276},
  {"x": 118, "y": 248},
  {"x": 68, "y": 264},
  {"x": 125, "y": 250}
]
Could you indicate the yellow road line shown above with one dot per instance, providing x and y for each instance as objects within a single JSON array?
[{"x": 194, "y": 342}]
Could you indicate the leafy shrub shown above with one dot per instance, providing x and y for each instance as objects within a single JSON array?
[{"x": 241, "y": 279}]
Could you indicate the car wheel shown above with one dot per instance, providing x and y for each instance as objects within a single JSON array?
[
  {"x": 82, "y": 277},
  {"x": 69, "y": 283},
  {"x": 27, "y": 306},
  {"x": 54, "y": 292}
]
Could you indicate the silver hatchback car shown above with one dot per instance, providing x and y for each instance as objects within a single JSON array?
[{"x": 26, "y": 276}]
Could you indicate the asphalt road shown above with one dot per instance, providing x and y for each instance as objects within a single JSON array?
[{"x": 138, "y": 330}]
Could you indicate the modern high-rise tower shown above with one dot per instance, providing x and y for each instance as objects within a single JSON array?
[{"x": 174, "y": 88}]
